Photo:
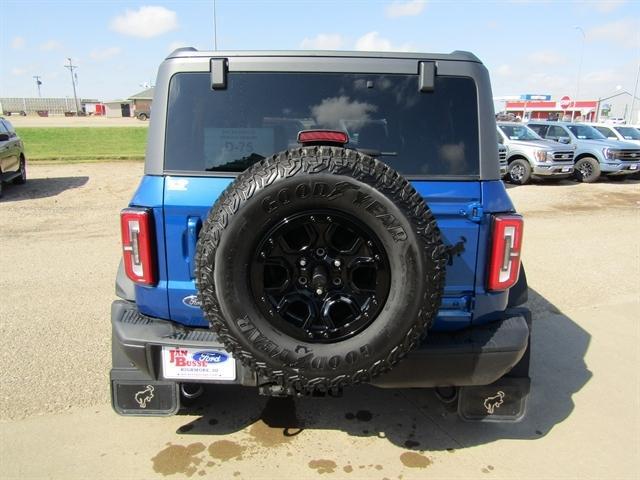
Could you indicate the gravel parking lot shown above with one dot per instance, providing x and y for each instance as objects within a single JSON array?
[{"x": 60, "y": 248}]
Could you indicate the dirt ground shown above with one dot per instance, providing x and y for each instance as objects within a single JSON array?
[
  {"x": 61, "y": 121},
  {"x": 60, "y": 249}
]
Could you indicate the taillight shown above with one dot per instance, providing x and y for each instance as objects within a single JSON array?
[
  {"x": 323, "y": 136},
  {"x": 137, "y": 245},
  {"x": 504, "y": 266}
]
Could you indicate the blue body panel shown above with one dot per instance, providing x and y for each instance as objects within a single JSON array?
[{"x": 462, "y": 210}]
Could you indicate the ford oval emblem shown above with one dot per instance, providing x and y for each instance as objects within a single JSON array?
[
  {"x": 191, "y": 301},
  {"x": 210, "y": 356}
]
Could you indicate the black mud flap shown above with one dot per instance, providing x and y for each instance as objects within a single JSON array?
[
  {"x": 145, "y": 398},
  {"x": 503, "y": 401}
]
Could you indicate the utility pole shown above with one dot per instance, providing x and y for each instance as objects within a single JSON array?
[
  {"x": 215, "y": 29},
  {"x": 633, "y": 98},
  {"x": 71, "y": 68},
  {"x": 38, "y": 83},
  {"x": 575, "y": 100}
]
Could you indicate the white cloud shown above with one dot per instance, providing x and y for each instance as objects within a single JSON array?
[
  {"x": 372, "y": 41},
  {"x": 409, "y": 8},
  {"x": 323, "y": 41},
  {"x": 17, "y": 71},
  {"x": 104, "y": 53},
  {"x": 545, "y": 82},
  {"x": 146, "y": 22},
  {"x": 50, "y": 45},
  {"x": 602, "y": 78},
  {"x": 547, "y": 58},
  {"x": 504, "y": 70},
  {"x": 18, "y": 42},
  {"x": 606, "y": 6},
  {"x": 624, "y": 32}
]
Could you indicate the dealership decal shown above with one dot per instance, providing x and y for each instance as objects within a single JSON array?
[{"x": 197, "y": 364}]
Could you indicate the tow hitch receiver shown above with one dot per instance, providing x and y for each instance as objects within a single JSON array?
[
  {"x": 503, "y": 401},
  {"x": 145, "y": 398}
]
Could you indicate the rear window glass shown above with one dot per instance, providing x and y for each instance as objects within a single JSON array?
[{"x": 259, "y": 114}]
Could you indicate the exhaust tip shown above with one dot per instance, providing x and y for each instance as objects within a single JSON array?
[{"x": 191, "y": 390}]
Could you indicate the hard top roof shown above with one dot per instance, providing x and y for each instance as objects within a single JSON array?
[{"x": 190, "y": 52}]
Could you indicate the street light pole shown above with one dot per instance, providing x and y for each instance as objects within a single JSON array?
[
  {"x": 575, "y": 100},
  {"x": 633, "y": 97},
  {"x": 38, "y": 83},
  {"x": 71, "y": 68}
]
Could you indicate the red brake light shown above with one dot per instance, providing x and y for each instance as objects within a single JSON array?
[
  {"x": 137, "y": 245},
  {"x": 323, "y": 136},
  {"x": 506, "y": 247}
]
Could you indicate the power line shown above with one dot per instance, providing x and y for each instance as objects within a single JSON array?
[{"x": 71, "y": 68}]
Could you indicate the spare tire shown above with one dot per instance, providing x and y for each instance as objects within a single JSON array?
[{"x": 320, "y": 267}]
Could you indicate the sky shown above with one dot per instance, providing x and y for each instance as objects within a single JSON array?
[{"x": 528, "y": 46}]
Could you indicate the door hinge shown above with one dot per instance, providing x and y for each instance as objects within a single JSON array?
[{"x": 473, "y": 212}]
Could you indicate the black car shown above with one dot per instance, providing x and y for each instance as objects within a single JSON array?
[{"x": 13, "y": 163}]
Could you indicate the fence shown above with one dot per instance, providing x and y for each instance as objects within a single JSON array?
[{"x": 53, "y": 106}]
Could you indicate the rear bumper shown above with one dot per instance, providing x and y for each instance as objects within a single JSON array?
[{"x": 475, "y": 356}]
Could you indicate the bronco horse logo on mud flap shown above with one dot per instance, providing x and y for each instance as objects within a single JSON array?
[
  {"x": 143, "y": 397},
  {"x": 491, "y": 403}
]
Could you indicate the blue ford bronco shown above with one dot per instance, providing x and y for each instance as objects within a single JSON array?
[{"x": 308, "y": 221}]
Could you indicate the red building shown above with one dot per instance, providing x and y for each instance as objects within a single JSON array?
[{"x": 585, "y": 110}]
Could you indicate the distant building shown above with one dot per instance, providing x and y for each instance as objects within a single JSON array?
[
  {"x": 584, "y": 110},
  {"x": 617, "y": 104},
  {"x": 118, "y": 108},
  {"x": 142, "y": 102}
]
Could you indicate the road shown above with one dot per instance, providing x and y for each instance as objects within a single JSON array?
[{"x": 60, "y": 246}]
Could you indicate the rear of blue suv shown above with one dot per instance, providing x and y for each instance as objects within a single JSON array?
[{"x": 312, "y": 220}]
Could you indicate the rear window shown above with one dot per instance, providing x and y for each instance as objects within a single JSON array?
[{"x": 259, "y": 114}]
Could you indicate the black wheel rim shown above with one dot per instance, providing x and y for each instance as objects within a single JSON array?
[
  {"x": 586, "y": 170},
  {"x": 320, "y": 276}
]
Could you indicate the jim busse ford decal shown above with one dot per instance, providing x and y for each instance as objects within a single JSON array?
[{"x": 180, "y": 358}]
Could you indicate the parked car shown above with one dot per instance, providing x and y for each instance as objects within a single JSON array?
[
  {"x": 143, "y": 114},
  {"x": 595, "y": 154},
  {"x": 13, "y": 163},
  {"x": 624, "y": 133},
  {"x": 529, "y": 156},
  {"x": 304, "y": 262},
  {"x": 502, "y": 157},
  {"x": 616, "y": 121}
]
